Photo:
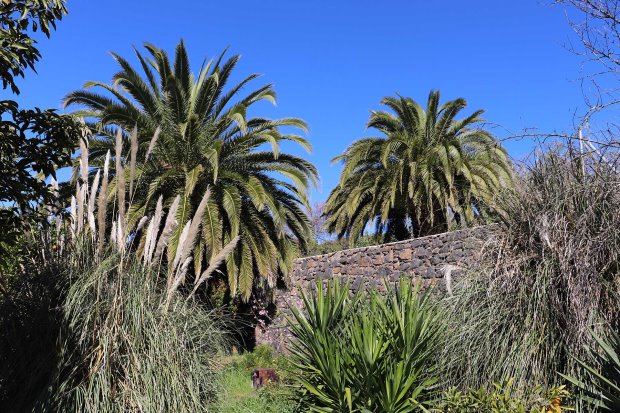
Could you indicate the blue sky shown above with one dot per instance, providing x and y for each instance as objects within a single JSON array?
[{"x": 333, "y": 61}]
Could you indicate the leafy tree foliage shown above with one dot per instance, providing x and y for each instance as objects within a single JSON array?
[
  {"x": 429, "y": 169},
  {"x": 33, "y": 143},
  {"x": 18, "y": 18},
  {"x": 194, "y": 134}
]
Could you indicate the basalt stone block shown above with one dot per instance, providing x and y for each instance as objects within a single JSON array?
[
  {"x": 422, "y": 253},
  {"x": 405, "y": 254}
]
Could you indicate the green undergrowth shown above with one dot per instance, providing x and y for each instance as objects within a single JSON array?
[{"x": 238, "y": 395}]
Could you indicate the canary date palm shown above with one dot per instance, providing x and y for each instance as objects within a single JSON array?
[
  {"x": 427, "y": 170},
  {"x": 194, "y": 135}
]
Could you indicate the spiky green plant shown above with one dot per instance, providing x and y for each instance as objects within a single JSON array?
[
  {"x": 195, "y": 133},
  {"x": 364, "y": 353},
  {"x": 427, "y": 167},
  {"x": 599, "y": 382}
]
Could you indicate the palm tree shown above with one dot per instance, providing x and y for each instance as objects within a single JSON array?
[
  {"x": 194, "y": 135},
  {"x": 428, "y": 170}
]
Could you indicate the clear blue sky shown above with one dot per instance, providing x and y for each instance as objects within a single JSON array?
[{"x": 332, "y": 61}]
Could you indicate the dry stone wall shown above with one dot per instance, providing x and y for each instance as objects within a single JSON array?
[{"x": 435, "y": 260}]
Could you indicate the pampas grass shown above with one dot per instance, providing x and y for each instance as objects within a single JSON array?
[
  {"x": 120, "y": 351},
  {"x": 120, "y": 188},
  {"x": 91, "y": 204},
  {"x": 133, "y": 154},
  {"x": 552, "y": 275},
  {"x": 127, "y": 338},
  {"x": 152, "y": 143},
  {"x": 169, "y": 227},
  {"x": 102, "y": 204}
]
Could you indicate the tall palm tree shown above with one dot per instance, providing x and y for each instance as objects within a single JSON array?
[
  {"x": 194, "y": 135},
  {"x": 428, "y": 169}
]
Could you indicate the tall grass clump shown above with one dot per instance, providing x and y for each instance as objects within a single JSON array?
[
  {"x": 106, "y": 320},
  {"x": 366, "y": 353},
  {"x": 551, "y": 276},
  {"x": 122, "y": 350}
]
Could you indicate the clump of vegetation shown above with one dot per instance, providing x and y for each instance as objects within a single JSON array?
[
  {"x": 552, "y": 275},
  {"x": 123, "y": 336},
  {"x": 367, "y": 352},
  {"x": 599, "y": 382},
  {"x": 429, "y": 172},
  {"x": 193, "y": 133},
  {"x": 127, "y": 346},
  {"x": 504, "y": 398}
]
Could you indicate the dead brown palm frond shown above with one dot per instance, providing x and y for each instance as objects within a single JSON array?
[
  {"x": 132, "y": 159},
  {"x": 120, "y": 187},
  {"x": 102, "y": 204}
]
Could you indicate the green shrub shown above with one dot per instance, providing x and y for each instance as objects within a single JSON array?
[
  {"x": 503, "y": 398},
  {"x": 367, "y": 352}
]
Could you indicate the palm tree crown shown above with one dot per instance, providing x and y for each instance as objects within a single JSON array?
[
  {"x": 427, "y": 169},
  {"x": 195, "y": 135}
]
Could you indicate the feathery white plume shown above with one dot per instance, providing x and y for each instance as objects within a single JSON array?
[
  {"x": 169, "y": 226},
  {"x": 152, "y": 143}
]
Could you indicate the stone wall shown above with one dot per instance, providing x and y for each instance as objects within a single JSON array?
[{"x": 433, "y": 260}]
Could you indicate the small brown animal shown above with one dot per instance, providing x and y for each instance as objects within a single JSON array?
[{"x": 260, "y": 377}]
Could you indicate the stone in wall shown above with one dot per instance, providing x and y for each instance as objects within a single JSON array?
[{"x": 426, "y": 260}]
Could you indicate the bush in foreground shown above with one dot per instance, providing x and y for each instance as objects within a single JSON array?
[{"x": 366, "y": 353}]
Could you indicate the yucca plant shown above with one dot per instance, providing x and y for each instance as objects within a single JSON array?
[
  {"x": 365, "y": 353},
  {"x": 600, "y": 381}
]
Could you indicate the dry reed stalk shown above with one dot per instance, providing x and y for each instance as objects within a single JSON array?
[
  {"x": 153, "y": 231},
  {"x": 102, "y": 204},
  {"x": 120, "y": 186},
  {"x": 215, "y": 262},
  {"x": 91, "y": 204},
  {"x": 132, "y": 159},
  {"x": 169, "y": 227},
  {"x": 152, "y": 143}
]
